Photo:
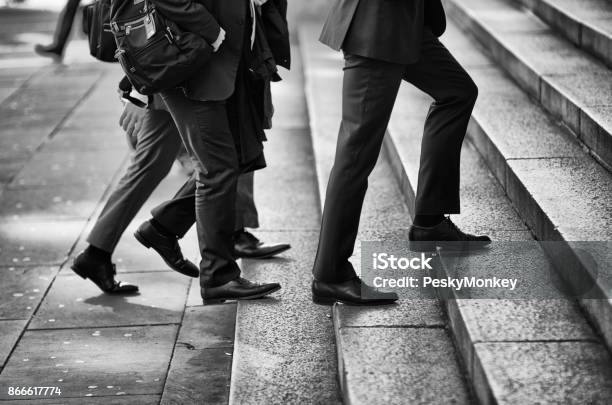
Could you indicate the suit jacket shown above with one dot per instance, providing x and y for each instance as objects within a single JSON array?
[
  {"x": 216, "y": 80},
  {"x": 388, "y": 30}
]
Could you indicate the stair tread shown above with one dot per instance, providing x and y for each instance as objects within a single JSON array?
[
  {"x": 567, "y": 80},
  {"x": 284, "y": 347},
  {"x": 410, "y": 366},
  {"x": 547, "y": 372}
]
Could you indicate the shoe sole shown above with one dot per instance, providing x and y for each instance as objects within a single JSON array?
[
  {"x": 144, "y": 242},
  {"x": 215, "y": 301},
  {"x": 266, "y": 256},
  {"x": 432, "y": 246},
  {"x": 327, "y": 301},
  {"x": 79, "y": 272}
]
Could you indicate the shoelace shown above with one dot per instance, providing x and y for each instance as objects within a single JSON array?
[{"x": 455, "y": 228}]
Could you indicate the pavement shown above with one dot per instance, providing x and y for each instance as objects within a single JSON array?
[{"x": 61, "y": 152}]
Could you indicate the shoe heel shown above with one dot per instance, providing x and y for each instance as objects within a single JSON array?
[
  {"x": 79, "y": 272},
  {"x": 323, "y": 300},
  {"x": 214, "y": 301},
  {"x": 422, "y": 246},
  {"x": 142, "y": 240}
]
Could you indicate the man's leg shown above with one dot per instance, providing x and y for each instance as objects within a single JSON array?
[
  {"x": 438, "y": 74},
  {"x": 204, "y": 129},
  {"x": 369, "y": 91},
  {"x": 158, "y": 144},
  {"x": 246, "y": 211},
  {"x": 62, "y": 31},
  {"x": 176, "y": 216},
  {"x": 155, "y": 151}
]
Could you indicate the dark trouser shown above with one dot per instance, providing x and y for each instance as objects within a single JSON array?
[
  {"x": 369, "y": 91},
  {"x": 204, "y": 129},
  {"x": 157, "y": 147},
  {"x": 64, "y": 24},
  {"x": 178, "y": 215}
]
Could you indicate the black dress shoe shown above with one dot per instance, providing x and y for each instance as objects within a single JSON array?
[
  {"x": 246, "y": 245},
  {"x": 167, "y": 247},
  {"x": 49, "y": 51},
  {"x": 446, "y": 235},
  {"x": 102, "y": 273},
  {"x": 239, "y": 289},
  {"x": 351, "y": 292}
]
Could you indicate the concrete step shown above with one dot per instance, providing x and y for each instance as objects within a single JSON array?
[
  {"x": 573, "y": 86},
  {"x": 284, "y": 347},
  {"x": 513, "y": 351},
  {"x": 586, "y": 23},
  {"x": 560, "y": 193},
  {"x": 405, "y": 351}
]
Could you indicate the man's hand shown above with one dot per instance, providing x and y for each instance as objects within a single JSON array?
[
  {"x": 131, "y": 122},
  {"x": 259, "y": 2},
  {"x": 217, "y": 44}
]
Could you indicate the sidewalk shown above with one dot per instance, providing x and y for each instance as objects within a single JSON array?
[{"x": 61, "y": 152}]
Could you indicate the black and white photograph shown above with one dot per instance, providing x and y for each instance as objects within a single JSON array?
[{"x": 306, "y": 202}]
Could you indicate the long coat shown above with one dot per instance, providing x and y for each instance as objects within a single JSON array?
[{"x": 388, "y": 30}]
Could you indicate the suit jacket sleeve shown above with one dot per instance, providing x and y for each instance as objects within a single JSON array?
[{"x": 191, "y": 16}]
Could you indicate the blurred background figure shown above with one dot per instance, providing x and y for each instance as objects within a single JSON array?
[{"x": 56, "y": 49}]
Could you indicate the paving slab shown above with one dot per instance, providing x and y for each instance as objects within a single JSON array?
[
  {"x": 544, "y": 372},
  {"x": 92, "y": 362},
  {"x": 201, "y": 364},
  {"x": 69, "y": 167},
  {"x": 37, "y": 242},
  {"x": 420, "y": 363},
  {"x": 89, "y": 137},
  {"x": 10, "y": 331},
  {"x": 207, "y": 327},
  {"x": 198, "y": 377},
  {"x": 73, "y": 302},
  {"x": 51, "y": 202},
  {"x": 24, "y": 288}
]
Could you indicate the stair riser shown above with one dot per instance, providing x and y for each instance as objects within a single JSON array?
[{"x": 595, "y": 137}]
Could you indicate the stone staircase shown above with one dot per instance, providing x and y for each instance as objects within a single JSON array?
[
  {"x": 560, "y": 192},
  {"x": 535, "y": 176}
]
